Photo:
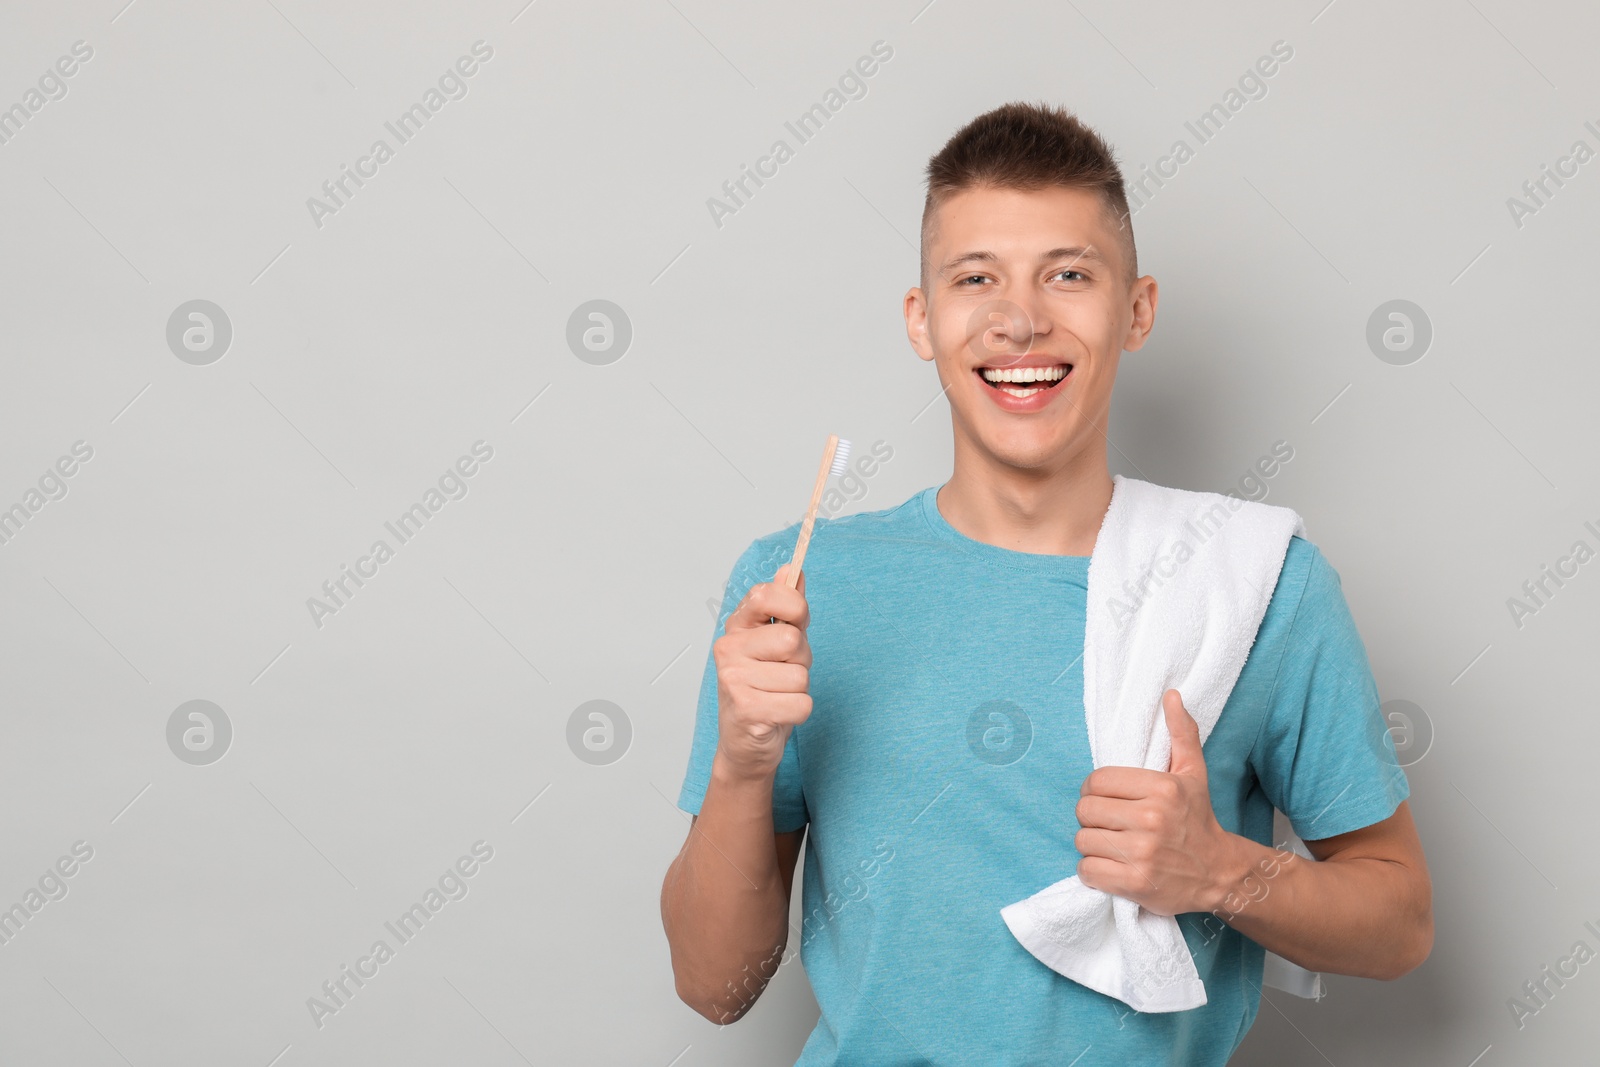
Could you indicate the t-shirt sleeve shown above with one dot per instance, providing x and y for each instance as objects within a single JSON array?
[
  {"x": 758, "y": 563},
  {"x": 1324, "y": 756}
]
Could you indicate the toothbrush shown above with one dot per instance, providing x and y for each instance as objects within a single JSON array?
[{"x": 835, "y": 460}]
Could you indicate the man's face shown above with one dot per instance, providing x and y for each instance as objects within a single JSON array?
[{"x": 1033, "y": 284}]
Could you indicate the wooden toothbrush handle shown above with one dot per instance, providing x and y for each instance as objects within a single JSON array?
[{"x": 800, "y": 546}]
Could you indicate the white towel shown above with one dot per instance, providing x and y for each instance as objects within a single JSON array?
[{"x": 1179, "y": 582}]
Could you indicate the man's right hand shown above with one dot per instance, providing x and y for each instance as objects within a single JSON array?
[{"x": 763, "y": 673}]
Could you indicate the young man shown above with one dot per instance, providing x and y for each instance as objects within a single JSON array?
[{"x": 868, "y": 711}]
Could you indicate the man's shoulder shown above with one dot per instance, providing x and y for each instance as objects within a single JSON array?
[
  {"x": 834, "y": 537},
  {"x": 1309, "y": 601},
  {"x": 1303, "y": 563},
  {"x": 893, "y": 521}
]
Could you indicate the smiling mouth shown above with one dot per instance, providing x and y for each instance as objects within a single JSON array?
[{"x": 1023, "y": 381}]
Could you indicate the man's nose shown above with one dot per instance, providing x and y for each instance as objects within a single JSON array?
[{"x": 1012, "y": 321}]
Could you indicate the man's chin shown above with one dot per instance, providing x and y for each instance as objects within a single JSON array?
[{"x": 1027, "y": 450}]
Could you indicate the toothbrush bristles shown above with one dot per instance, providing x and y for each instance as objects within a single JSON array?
[{"x": 841, "y": 458}]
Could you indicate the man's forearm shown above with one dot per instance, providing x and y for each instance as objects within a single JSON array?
[
  {"x": 1359, "y": 916},
  {"x": 723, "y": 903}
]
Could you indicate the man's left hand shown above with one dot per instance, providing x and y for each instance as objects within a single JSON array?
[{"x": 1151, "y": 836}]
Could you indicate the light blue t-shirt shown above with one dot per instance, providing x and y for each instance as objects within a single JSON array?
[{"x": 940, "y": 769}]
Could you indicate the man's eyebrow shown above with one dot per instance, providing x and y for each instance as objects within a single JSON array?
[{"x": 1075, "y": 252}]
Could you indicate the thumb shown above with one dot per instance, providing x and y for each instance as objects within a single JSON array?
[
  {"x": 783, "y": 576},
  {"x": 1187, "y": 755}
]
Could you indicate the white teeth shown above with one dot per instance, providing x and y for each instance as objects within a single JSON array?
[
  {"x": 1019, "y": 392},
  {"x": 1024, "y": 374}
]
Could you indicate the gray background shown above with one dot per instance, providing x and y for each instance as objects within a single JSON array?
[{"x": 432, "y": 711}]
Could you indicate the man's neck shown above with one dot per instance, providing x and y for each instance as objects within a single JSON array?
[{"x": 1056, "y": 513}]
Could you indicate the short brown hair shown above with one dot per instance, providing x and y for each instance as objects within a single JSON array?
[{"x": 1028, "y": 146}]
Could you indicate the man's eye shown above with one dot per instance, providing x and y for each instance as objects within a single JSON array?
[
  {"x": 1059, "y": 273},
  {"x": 968, "y": 278}
]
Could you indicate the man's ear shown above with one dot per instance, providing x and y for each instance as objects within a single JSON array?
[
  {"x": 916, "y": 312},
  {"x": 1144, "y": 295}
]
